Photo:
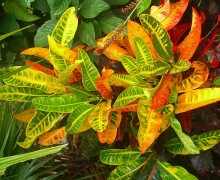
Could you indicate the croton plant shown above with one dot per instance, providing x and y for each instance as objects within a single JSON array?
[{"x": 151, "y": 85}]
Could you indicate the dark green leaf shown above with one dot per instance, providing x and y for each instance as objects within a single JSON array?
[
  {"x": 216, "y": 81},
  {"x": 41, "y": 5},
  {"x": 60, "y": 6},
  {"x": 143, "y": 6},
  {"x": 117, "y": 2}
]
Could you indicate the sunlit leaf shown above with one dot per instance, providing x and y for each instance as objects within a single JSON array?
[
  {"x": 79, "y": 91},
  {"x": 195, "y": 80},
  {"x": 77, "y": 117},
  {"x": 27, "y": 142},
  {"x": 168, "y": 171},
  {"x": 130, "y": 64},
  {"x": 99, "y": 117},
  {"x": 52, "y": 137},
  {"x": 160, "y": 37},
  {"x": 189, "y": 45},
  {"x": 144, "y": 5},
  {"x": 180, "y": 66},
  {"x": 197, "y": 98},
  {"x": 127, "y": 108},
  {"x": 119, "y": 156},
  {"x": 161, "y": 12},
  {"x": 123, "y": 80},
  {"x": 25, "y": 116},
  {"x": 85, "y": 126}
]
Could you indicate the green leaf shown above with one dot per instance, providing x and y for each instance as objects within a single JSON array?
[
  {"x": 143, "y": 6},
  {"x": 174, "y": 95},
  {"x": 167, "y": 110},
  {"x": 117, "y": 2},
  {"x": 160, "y": 36},
  {"x": 130, "y": 64},
  {"x": 62, "y": 104},
  {"x": 77, "y": 117},
  {"x": 127, "y": 170},
  {"x": 41, "y": 123},
  {"x": 89, "y": 71},
  {"x": 40, "y": 39},
  {"x": 108, "y": 21},
  {"x": 9, "y": 23},
  {"x": 8, "y": 161},
  {"x": 20, "y": 12},
  {"x": 60, "y": 6},
  {"x": 119, "y": 156},
  {"x": 203, "y": 141},
  {"x": 41, "y": 5},
  {"x": 129, "y": 95},
  {"x": 87, "y": 33},
  {"x": 79, "y": 91},
  {"x": 170, "y": 172},
  {"x": 186, "y": 140},
  {"x": 64, "y": 76},
  {"x": 66, "y": 27},
  {"x": 180, "y": 66},
  {"x": 27, "y": 142},
  {"x": 90, "y": 9},
  {"x": 20, "y": 94},
  {"x": 216, "y": 81},
  {"x": 124, "y": 79}
]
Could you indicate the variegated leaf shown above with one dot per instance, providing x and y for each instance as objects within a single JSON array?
[
  {"x": 26, "y": 116},
  {"x": 27, "y": 142},
  {"x": 180, "y": 66},
  {"x": 130, "y": 64},
  {"x": 79, "y": 91},
  {"x": 130, "y": 107},
  {"x": 160, "y": 13},
  {"x": 123, "y": 80}
]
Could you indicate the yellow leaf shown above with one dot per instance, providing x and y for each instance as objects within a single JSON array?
[
  {"x": 161, "y": 12},
  {"x": 85, "y": 126},
  {"x": 26, "y": 116}
]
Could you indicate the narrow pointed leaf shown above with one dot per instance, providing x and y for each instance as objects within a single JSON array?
[
  {"x": 197, "y": 98},
  {"x": 119, "y": 156},
  {"x": 160, "y": 37},
  {"x": 66, "y": 27},
  {"x": 26, "y": 116},
  {"x": 89, "y": 71},
  {"x": 52, "y": 137},
  {"x": 189, "y": 45},
  {"x": 130, "y": 64},
  {"x": 168, "y": 171},
  {"x": 77, "y": 117},
  {"x": 41, "y": 123},
  {"x": 199, "y": 76},
  {"x": 129, "y": 95},
  {"x": 99, "y": 117},
  {"x": 161, "y": 12},
  {"x": 180, "y": 66}
]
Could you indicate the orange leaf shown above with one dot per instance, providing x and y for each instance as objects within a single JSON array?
[
  {"x": 102, "y": 84},
  {"x": 163, "y": 93},
  {"x": 109, "y": 134},
  {"x": 161, "y": 12},
  {"x": 188, "y": 47},
  {"x": 52, "y": 137},
  {"x": 198, "y": 77},
  {"x": 136, "y": 30},
  {"x": 130, "y": 107},
  {"x": 25, "y": 116},
  {"x": 85, "y": 126},
  {"x": 37, "y": 51},
  {"x": 41, "y": 68}
]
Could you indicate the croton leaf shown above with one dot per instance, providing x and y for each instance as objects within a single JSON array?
[
  {"x": 77, "y": 117},
  {"x": 130, "y": 64},
  {"x": 144, "y": 4},
  {"x": 63, "y": 104},
  {"x": 52, "y": 137},
  {"x": 41, "y": 123},
  {"x": 27, "y": 142},
  {"x": 129, "y": 95},
  {"x": 197, "y": 98},
  {"x": 99, "y": 117},
  {"x": 85, "y": 126},
  {"x": 189, "y": 45},
  {"x": 168, "y": 171},
  {"x": 26, "y": 116},
  {"x": 109, "y": 134},
  {"x": 176, "y": 12},
  {"x": 123, "y": 80},
  {"x": 130, "y": 107},
  {"x": 89, "y": 71},
  {"x": 203, "y": 141},
  {"x": 128, "y": 170},
  {"x": 136, "y": 30},
  {"x": 66, "y": 27},
  {"x": 79, "y": 91},
  {"x": 186, "y": 140},
  {"x": 161, "y": 12},
  {"x": 160, "y": 37},
  {"x": 20, "y": 94},
  {"x": 186, "y": 121},
  {"x": 180, "y": 66},
  {"x": 199, "y": 76},
  {"x": 150, "y": 121},
  {"x": 119, "y": 156}
]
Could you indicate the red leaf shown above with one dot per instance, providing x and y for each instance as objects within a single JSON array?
[{"x": 186, "y": 121}]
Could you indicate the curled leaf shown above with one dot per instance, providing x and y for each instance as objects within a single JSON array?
[{"x": 161, "y": 12}]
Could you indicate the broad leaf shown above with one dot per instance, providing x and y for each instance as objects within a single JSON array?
[
  {"x": 26, "y": 116},
  {"x": 99, "y": 117},
  {"x": 186, "y": 140},
  {"x": 52, "y": 137},
  {"x": 160, "y": 37},
  {"x": 197, "y": 98},
  {"x": 77, "y": 117},
  {"x": 180, "y": 66},
  {"x": 20, "y": 94},
  {"x": 168, "y": 171},
  {"x": 130, "y": 107},
  {"x": 195, "y": 80},
  {"x": 123, "y": 80},
  {"x": 59, "y": 6},
  {"x": 127, "y": 170},
  {"x": 89, "y": 71},
  {"x": 130, "y": 64},
  {"x": 216, "y": 81},
  {"x": 144, "y": 4},
  {"x": 117, "y": 2},
  {"x": 41, "y": 123},
  {"x": 79, "y": 91},
  {"x": 129, "y": 95},
  {"x": 63, "y": 104},
  {"x": 66, "y": 27},
  {"x": 160, "y": 13},
  {"x": 203, "y": 141},
  {"x": 119, "y": 156},
  {"x": 189, "y": 45},
  {"x": 27, "y": 142}
]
